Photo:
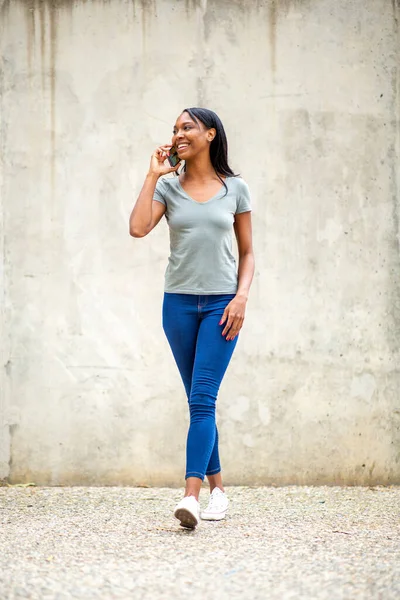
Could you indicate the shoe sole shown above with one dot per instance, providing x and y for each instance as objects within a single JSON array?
[
  {"x": 186, "y": 518},
  {"x": 213, "y": 517}
]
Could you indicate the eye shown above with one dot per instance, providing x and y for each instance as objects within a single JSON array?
[{"x": 187, "y": 127}]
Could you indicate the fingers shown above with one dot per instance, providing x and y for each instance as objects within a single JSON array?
[
  {"x": 162, "y": 152},
  {"x": 224, "y": 317},
  {"x": 228, "y": 324},
  {"x": 172, "y": 169},
  {"x": 233, "y": 326},
  {"x": 234, "y": 330}
]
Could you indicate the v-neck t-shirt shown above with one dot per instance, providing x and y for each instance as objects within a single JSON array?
[{"x": 201, "y": 260}]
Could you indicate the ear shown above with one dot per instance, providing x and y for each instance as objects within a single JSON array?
[{"x": 211, "y": 133}]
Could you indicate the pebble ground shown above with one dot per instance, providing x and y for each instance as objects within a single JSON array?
[{"x": 276, "y": 543}]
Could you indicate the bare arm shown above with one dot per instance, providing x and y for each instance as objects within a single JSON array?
[
  {"x": 234, "y": 313},
  {"x": 243, "y": 232},
  {"x": 147, "y": 212}
]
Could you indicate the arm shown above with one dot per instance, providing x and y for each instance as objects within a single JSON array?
[
  {"x": 243, "y": 232},
  {"x": 147, "y": 212},
  {"x": 235, "y": 311}
]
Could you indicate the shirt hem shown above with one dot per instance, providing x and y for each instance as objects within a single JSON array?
[{"x": 199, "y": 292}]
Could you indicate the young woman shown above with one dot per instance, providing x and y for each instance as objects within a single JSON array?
[{"x": 205, "y": 295}]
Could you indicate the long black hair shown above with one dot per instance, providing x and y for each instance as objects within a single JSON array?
[{"x": 219, "y": 145}]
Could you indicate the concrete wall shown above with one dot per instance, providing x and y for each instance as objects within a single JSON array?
[{"x": 309, "y": 93}]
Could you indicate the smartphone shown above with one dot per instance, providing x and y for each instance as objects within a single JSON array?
[{"x": 173, "y": 157}]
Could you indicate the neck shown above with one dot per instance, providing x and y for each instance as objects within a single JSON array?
[{"x": 200, "y": 169}]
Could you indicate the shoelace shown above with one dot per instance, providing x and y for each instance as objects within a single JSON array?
[{"x": 217, "y": 502}]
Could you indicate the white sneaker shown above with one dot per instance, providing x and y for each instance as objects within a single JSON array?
[
  {"x": 217, "y": 506},
  {"x": 187, "y": 511}
]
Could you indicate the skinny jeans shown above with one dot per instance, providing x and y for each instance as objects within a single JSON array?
[{"x": 202, "y": 355}]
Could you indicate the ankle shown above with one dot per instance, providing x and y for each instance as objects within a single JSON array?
[
  {"x": 212, "y": 488},
  {"x": 192, "y": 487},
  {"x": 194, "y": 494}
]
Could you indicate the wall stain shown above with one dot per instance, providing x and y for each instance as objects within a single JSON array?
[
  {"x": 57, "y": 4},
  {"x": 272, "y": 22},
  {"x": 395, "y": 6},
  {"x": 148, "y": 10},
  {"x": 392, "y": 156},
  {"x": 47, "y": 12},
  {"x": 30, "y": 25},
  {"x": 200, "y": 10},
  {"x": 53, "y": 50},
  {"x": 191, "y": 6},
  {"x": 42, "y": 16}
]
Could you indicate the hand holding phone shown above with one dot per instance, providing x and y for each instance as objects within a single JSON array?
[{"x": 159, "y": 156}]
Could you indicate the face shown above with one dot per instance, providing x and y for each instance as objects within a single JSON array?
[{"x": 191, "y": 137}]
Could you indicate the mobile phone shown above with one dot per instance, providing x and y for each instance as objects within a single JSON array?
[{"x": 173, "y": 157}]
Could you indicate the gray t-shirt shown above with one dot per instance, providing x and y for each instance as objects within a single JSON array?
[{"x": 201, "y": 259}]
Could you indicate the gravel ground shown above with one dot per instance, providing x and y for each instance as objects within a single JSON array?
[{"x": 276, "y": 543}]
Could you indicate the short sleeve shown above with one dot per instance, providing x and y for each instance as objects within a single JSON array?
[
  {"x": 243, "y": 198},
  {"x": 159, "y": 192}
]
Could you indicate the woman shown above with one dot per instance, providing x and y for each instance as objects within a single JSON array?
[{"x": 205, "y": 296}]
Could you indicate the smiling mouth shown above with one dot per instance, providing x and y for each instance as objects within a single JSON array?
[{"x": 182, "y": 147}]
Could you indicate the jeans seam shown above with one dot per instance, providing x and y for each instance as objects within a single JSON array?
[
  {"x": 194, "y": 474},
  {"x": 213, "y": 472}
]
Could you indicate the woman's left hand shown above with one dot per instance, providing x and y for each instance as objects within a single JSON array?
[{"x": 234, "y": 317}]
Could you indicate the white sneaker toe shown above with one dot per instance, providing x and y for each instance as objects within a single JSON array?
[{"x": 217, "y": 506}]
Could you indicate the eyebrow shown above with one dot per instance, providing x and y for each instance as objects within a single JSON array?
[{"x": 186, "y": 123}]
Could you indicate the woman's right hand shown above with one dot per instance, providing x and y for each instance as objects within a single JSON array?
[{"x": 159, "y": 156}]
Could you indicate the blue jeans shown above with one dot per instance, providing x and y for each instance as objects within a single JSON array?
[{"x": 202, "y": 354}]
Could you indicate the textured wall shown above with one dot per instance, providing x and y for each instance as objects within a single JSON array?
[{"x": 309, "y": 93}]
